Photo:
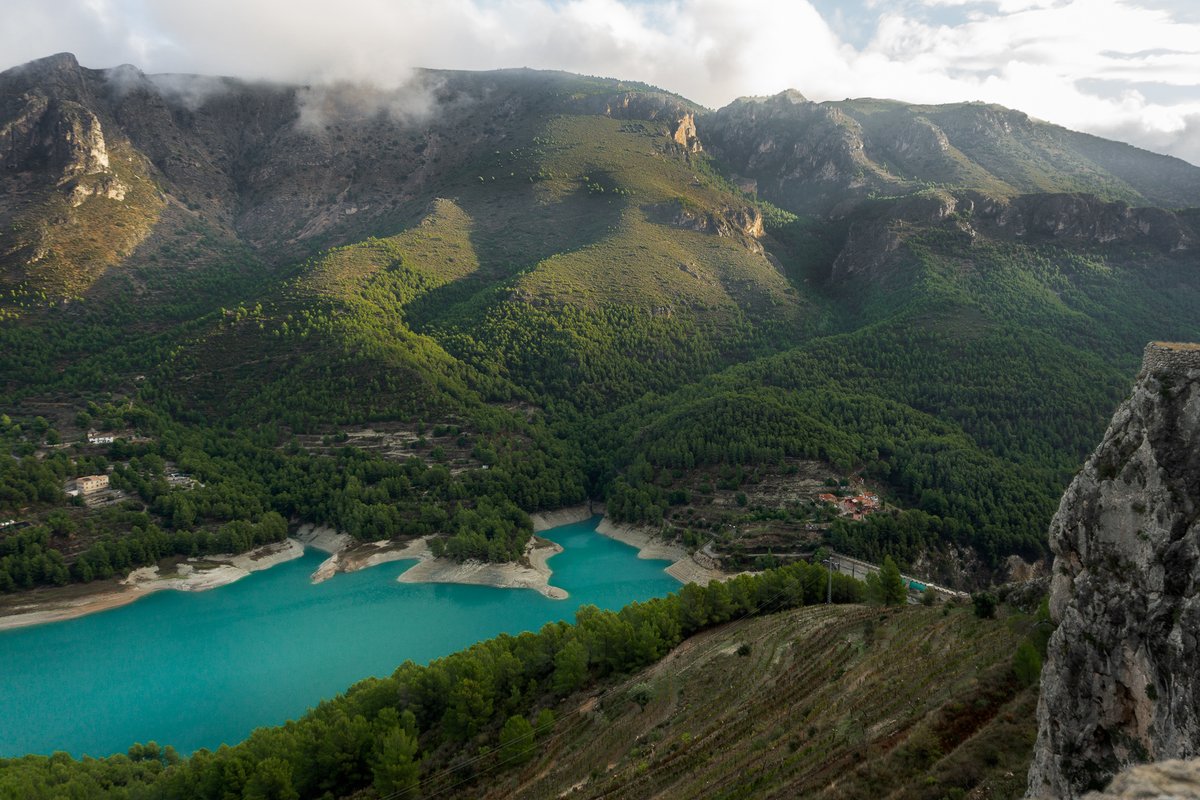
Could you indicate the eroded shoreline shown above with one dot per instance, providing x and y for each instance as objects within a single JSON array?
[
  {"x": 193, "y": 575},
  {"x": 346, "y": 555},
  {"x": 685, "y": 567},
  {"x": 508, "y": 575}
]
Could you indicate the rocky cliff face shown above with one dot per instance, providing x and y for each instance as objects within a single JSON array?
[
  {"x": 47, "y": 127},
  {"x": 1120, "y": 685},
  {"x": 281, "y": 169},
  {"x": 877, "y": 230},
  {"x": 745, "y": 221},
  {"x": 802, "y": 155}
]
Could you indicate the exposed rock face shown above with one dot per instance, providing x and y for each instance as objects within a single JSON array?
[
  {"x": 876, "y": 231},
  {"x": 657, "y": 106},
  {"x": 1087, "y": 218},
  {"x": 1167, "y": 780},
  {"x": 274, "y": 167},
  {"x": 746, "y": 221},
  {"x": 801, "y": 154},
  {"x": 685, "y": 134},
  {"x": 60, "y": 136},
  {"x": 1121, "y": 684}
]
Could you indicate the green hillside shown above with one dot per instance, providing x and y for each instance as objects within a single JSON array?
[{"x": 553, "y": 290}]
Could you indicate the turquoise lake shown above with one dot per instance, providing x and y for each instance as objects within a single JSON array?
[{"x": 200, "y": 669}]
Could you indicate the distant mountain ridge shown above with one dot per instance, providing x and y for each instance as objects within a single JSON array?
[
  {"x": 276, "y": 167},
  {"x": 824, "y": 157},
  {"x": 282, "y": 168}
]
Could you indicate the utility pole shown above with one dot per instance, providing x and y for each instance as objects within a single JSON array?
[{"x": 829, "y": 591}]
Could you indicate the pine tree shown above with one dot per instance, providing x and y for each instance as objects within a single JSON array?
[{"x": 891, "y": 584}]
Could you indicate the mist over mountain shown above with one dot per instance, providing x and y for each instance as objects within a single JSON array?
[{"x": 424, "y": 311}]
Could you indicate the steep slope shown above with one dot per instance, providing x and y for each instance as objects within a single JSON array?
[
  {"x": 1120, "y": 685},
  {"x": 283, "y": 169},
  {"x": 436, "y": 261},
  {"x": 75, "y": 196},
  {"x": 983, "y": 348},
  {"x": 824, "y": 703}
]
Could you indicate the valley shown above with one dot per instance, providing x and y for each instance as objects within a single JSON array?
[{"x": 430, "y": 320}]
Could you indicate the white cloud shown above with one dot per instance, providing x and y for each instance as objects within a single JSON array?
[{"x": 1079, "y": 63}]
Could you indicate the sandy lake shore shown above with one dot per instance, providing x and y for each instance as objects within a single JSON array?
[
  {"x": 685, "y": 567},
  {"x": 193, "y": 575},
  {"x": 545, "y": 520},
  {"x": 346, "y": 555}
]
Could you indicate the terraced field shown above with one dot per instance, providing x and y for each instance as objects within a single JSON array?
[{"x": 829, "y": 702}]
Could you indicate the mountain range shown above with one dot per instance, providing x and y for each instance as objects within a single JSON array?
[
  {"x": 594, "y": 288},
  {"x": 763, "y": 332}
]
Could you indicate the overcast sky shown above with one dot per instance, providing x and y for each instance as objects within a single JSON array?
[{"x": 1127, "y": 69}]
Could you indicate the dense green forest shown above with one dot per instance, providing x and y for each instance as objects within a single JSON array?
[{"x": 577, "y": 303}]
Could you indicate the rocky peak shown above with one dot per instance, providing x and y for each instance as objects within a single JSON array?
[
  {"x": 63, "y": 138},
  {"x": 1120, "y": 684},
  {"x": 803, "y": 156},
  {"x": 57, "y": 76},
  {"x": 59, "y": 63},
  {"x": 50, "y": 126},
  {"x": 988, "y": 121}
]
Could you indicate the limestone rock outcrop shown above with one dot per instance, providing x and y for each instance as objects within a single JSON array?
[
  {"x": 1167, "y": 780},
  {"x": 745, "y": 221},
  {"x": 1121, "y": 684}
]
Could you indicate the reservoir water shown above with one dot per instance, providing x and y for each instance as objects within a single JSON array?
[{"x": 200, "y": 669}]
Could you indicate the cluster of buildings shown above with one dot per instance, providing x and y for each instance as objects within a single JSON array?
[
  {"x": 100, "y": 438},
  {"x": 855, "y": 507}
]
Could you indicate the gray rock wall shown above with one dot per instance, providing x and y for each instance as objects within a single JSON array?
[{"x": 1121, "y": 683}]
